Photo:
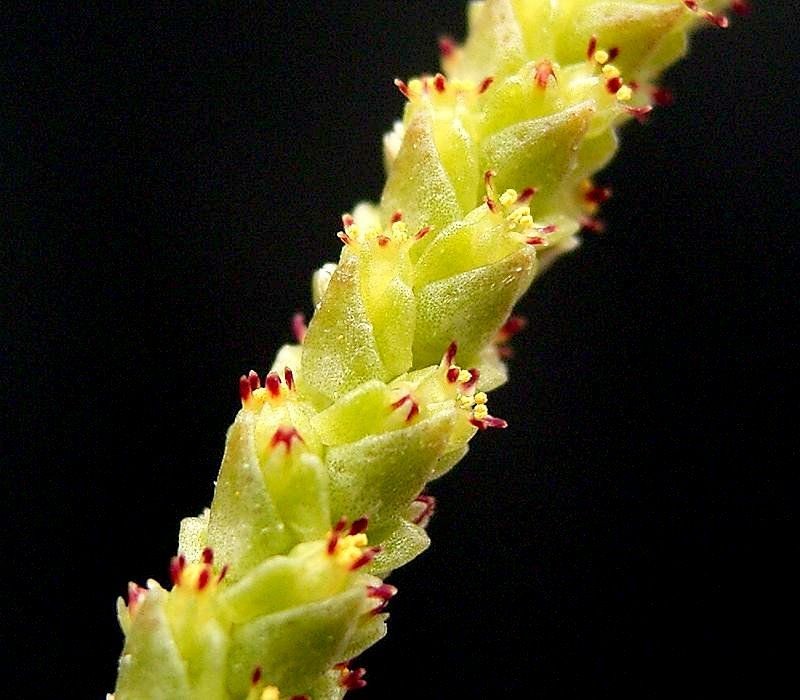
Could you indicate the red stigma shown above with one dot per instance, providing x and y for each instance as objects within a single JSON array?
[
  {"x": 359, "y": 526},
  {"x": 447, "y": 47},
  {"x": 285, "y": 434},
  {"x": 546, "y": 230},
  {"x": 439, "y": 83},
  {"x": 384, "y": 593},
  {"x": 426, "y": 507},
  {"x": 526, "y": 195},
  {"x": 720, "y": 21},
  {"x": 397, "y": 216},
  {"x": 741, "y": 7},
  {"x": 424, "y": 231},
  {"x": 544, "y": 71},
  {"x": 598, "y": 195},
  {"x": 383, "y": 240},
  {"x": 452, "y": 374},
  {"x": 333, "y": 538},
  {"x": 288, "y": 376},
  {"x": 511, "y": 327},
  {"x": 207, "y": 556},
  {"x": 488, "y": 176},
  {"x": 591, "y": 48},
  {"x": 613, "y": 52},
  {"x": 135, "y": 596},
  {"x": 255, "y": 678},
  {"x": 485, "y": 84},
  {"x": 592, "y": 224},
  {"x": 475, "y": 375},
  {"x": 365, "y": 558},
  {"x": 488, "y": 422},
  {"x": 514, "y": 325},
  {"x": 347, "y": 220},
  {"x": 412, "y": 411},
  {"x": 351, "y": 679},
  {"x": 244, "y": 388},
  {"x": 299, "y": 327},
  {"x": 203, "y": 579},
  {"x": 491, "y": 204},
  {"x": 344, "y": 238},
  {"x": 535, "y": 240},
  {"x": 639, "y": 113},
  {"x": 273, "y": 384},
  {"x": 450, "y": 353},
  {"x": 255, "y": 381},
  {"x": 403, "y": 88},
  {"x": 222, "y": 573},
  {"x": 176, "y": 566},
  {"x": 613, "y": 85},
  {"x": 662, "y": 96}
]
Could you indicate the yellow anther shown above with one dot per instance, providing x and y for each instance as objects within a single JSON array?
[
  {"x": 481, "y": 411},
  {"x": 525, "y": 221},
  {"x": 464, "y": 401},
  {"x": 518, "y": 213},
  {"x": 611, "y": 71},
  {"x": 601, "y": 56},
  {"x": 624, "y": 93},
  {"x": 508, "y": 197},
  {"x": 464, "y": 375},
  {"x": 400, "y": 229},
  {"x": 270, "y": 693},
  {"x": 349, "y": 549},
  {"x": 415, "y": 86},
  {"x": 481, "y": 397}
]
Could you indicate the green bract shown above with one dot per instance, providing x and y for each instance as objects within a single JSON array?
[{"x": 277, "y": 585}]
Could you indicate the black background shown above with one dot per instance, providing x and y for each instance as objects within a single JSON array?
[{"x": 173, "y": 179}]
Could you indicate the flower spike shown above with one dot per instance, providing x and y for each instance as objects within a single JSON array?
[{"x": 323, "y": 489}]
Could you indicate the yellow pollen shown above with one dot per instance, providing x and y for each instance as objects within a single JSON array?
[
  {"x": 525, "y": 221},
  {"x": 624, "y": 94},
  {"x": 611, "y": 71},
  {"x": 481, "y": 397},
  {"x": 481, "y": 411},
  {"x": 508, "y": 197},
  {"x": 270, "y": 693},
  {"x": 601, "y": 56},
  {"x": 349, "y": 549},
  {"x": 464, "y": 375}
]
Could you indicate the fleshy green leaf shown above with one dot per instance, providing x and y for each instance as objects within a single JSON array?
[
  {"x": 293, "y": 647},
  {"x": 470, "y": 307}
]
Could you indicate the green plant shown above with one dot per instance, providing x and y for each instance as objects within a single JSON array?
[{"x": 320, "y": 494}]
